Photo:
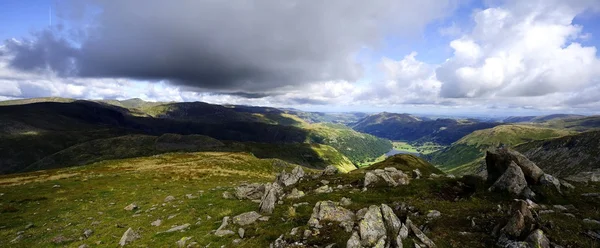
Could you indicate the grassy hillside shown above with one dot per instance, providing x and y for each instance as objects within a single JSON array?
[
  {"x": 358, "y": 147},
  {"x": 61, "y": 204},
  {"x": 540, "y": 119},
  {"x": 463, "y": 155},
  {"x": 566, "y": 156},
  {"x": 408, "y": 128}
]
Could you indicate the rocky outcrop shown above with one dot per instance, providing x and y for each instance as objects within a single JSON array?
[
  {"x": 295, "y": 194},
  {"x": 390, "y": 175},
  {"x": 221, "y": 231},
  {"x": 267, "y": 203},
  {"x": 254, "y": 191},
  {"x": 371, "y": 227},
  {"x": 128, "y": 237},
  {"x": 498, "y": 160},
  {"x": 246, "y": 218},
  {"x": 331, "y": 211},
  {"x": 330, "y": 170},
  {"x": 286, "y": 179},
  {"x": 512, "y": 180}
]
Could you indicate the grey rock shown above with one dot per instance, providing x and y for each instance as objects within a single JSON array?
[
  {"x": 370, "y": 179},
  {"x": 83, "y": 246},
  {"x": 403, "y": 233},
  {"x": 324, "y": 182},
  {"x": 566, "y": 184},
  {"x": 295, "y": 194},
  {"x": 591, "y": 221},
  {"x": 330, "y": 170},
  {"x": 420, "y": 235},
  {"x": 549, "y": 180},
  {"x": 267, "y": 203},
  {"x": 228, "y": 195},
  {"x": 264, "y": 218},
  {"x": 252, "y": 191},
  {"x": 131, "y": 207},
  {"x": 307, "y": 233},
  {"x": 294, "y": 231},
  {"x": 190, "y": 196},
  {"x": 241, "y": 232},
  {"x": 417, "y": 174},
  {"x": 323, "y": 189},
  {"x": 182, "y": 242},
  {"x": 60, "y": 239},
  {"x": 221, "y": 231},
  {"x": 279, "y": 243},
  {"x": 434, "y": 214},
  {"x": 246, "y": 218},
  {"x": 537, "y": 239},
  {"x": 178, "y": 228},
  {"x": 527, "y": 193},
  {"x": 361, "y": 213},
  {"x": 392, "y": 176},
  {"x": 169, "y": 198},
  {"x": 345, "y": 201},
  {"x": 88, "y": 233},
  {"x": 29, "y": 226},
  {"x": 286, "y": 179},
  {"x": 128, "y": 237},
  {"x": 157, "y": 222},
  {"x": 330, "y": 211},
  {"x": 512, "y": 181},
  {"x": 498, "y": 160},
  {"x": 391, "y": 221},
  {"x": 371, "y": 227}
]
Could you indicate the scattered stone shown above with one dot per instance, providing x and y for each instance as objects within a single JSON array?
[
  {"x": 323, "y": 189},
  {"x": 60, "y": 239},
  {"x": 264, "y": 218},
  {"x": 307, "y": 233},
  {"x": 241, "y": 232},
  {"x": 246, "y": 218},
  {"x": 83, "y": 246},
  {"x": 528, "y": 194},
  {"x": 131, "y": 207},
  {"x": 354, "y": 241},
  {"x": 324, "y": 182},
  {"x": 546, "y": 211},
  {"x": 236, "y": 241},
  {"x": 17, "y": 239},
  {"x": 512, "y": 180},
  {"x": 88, "y": 233},
  {"x": 591, "y": 221},
  {"x": 549, "y": 180},
  {"x": 345, "y": 201},
  {"x": 286, "y": 179},
  {"x": 181, "y": 242},
  {"x": 190, "y": 196},
  {"x": 295, "y": 194},
  {"x": 591, "y": 195},
  {"x": 267, "y": 203},
  {"x": 228, "y": 195},
  {"x": 420, "y": 235},
  {"x": 157, "y": 222},
  {"x": 171, "y": 216},
  {"x": 252, "y": 191},
  {"x": 433, "y": 214},
  {"x": 178, "y": 228},
  {"x": 169, "y": 198},
  {"x": 330, "y": 170},
  {"x": 330, "y": 211},
  {"x": 417, "y": 174},
  {"x": 538, "y": 239},
  {"x": 128, "y": 237},
  {"x": 56, "y": 186},
  {"x": 371, "y": 227},
  {"x": 560, "y": 208},
  {"x": 294, "y": 231},
  {"x": 29, "y": 226},
  {"x": 370, "y": 179},
  {"x": 221, "y": 231}
]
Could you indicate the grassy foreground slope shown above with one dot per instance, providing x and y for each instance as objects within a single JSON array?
[
  {"x": 61, "y": 204},
  {"x": 466, "y": 155}
]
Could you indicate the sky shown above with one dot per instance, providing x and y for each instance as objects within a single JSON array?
[{"x": 489, "y": 57}]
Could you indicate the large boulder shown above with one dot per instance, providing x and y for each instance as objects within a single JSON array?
[
  {"x": 267, "y": 203},
  {"x": 519, "y": 220},
  {"x": 512, "y": 180},
  {"x": 246, "y": 218},
  {"x": 392, "y": 176},
  {"x": 330, "y": 211},
  {"x": 252, "y": 191},
  {"x": 128, "y": 237},
  {"x": 537, "y": 239},
  {"x": 499, "y": 160},
  {"x": 371, "y": 227},
  {"x": 286, "y": 179}
]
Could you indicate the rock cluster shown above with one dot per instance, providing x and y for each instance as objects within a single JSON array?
[
  {"x": 512, "y": 172},
  {"x": 390, "y": 175}
]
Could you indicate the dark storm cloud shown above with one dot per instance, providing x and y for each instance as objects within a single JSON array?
[{"x": 222, "y": 46}]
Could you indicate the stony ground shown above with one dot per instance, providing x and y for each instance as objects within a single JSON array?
[{"x": 182, "y": 199}]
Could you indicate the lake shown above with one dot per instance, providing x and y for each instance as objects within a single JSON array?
[{"x": 394, "y": 152}]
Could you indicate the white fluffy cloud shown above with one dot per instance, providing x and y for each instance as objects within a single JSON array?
[{"x": 526, "y": 48}]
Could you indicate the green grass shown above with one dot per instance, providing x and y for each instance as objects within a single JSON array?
[
  {"x": 86, "y": 195},
  {"x": 425, "y": 148}
]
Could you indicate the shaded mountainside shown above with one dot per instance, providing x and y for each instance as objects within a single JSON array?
[
  {"x": 404, "y": 127},
  {"x": 571, "y": 156},
  {"x": 465, "y": 156},
  {"x": 30, "y": 132}
]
